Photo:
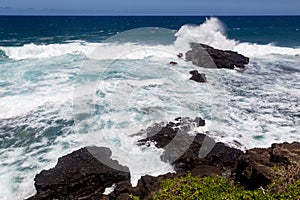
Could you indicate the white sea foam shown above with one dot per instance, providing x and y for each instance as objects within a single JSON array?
[
  {"x": 45, "y": 51},
  {"x": 91, "y": 50},
  {"x": 212, "y": 32},
  {"x": 131, "y": 51}
]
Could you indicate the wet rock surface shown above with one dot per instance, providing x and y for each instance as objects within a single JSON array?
[
  {"x": 205, "y": 56},
  {"x": 198, "y": 77},
  {"x": 186, "y": 151},
  {"x": 173, "y": 63},
  {"x": 80, "y": 175}
]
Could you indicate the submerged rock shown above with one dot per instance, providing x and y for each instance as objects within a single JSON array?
[
  {"x": 180, "y": 55},
  {"x": 173, "y": 63},
  {"x": 80, "y": 175},
  {"x": 205, "y": 56}
]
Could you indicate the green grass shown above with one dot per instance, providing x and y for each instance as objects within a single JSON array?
[{"x": 219, "y": 188}]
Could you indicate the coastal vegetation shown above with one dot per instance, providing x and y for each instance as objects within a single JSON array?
[{"x": 219, "y": 188}]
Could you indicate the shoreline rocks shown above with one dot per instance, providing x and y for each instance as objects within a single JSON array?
[
  {"x": 260, "y": 166},
  {"x": 186, "y": 152},
  {"x": 206, "y": 56},
  {"x": 82, "y": 174}
]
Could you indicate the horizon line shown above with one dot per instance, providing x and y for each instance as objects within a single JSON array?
[{"x": 153, "y": 15}]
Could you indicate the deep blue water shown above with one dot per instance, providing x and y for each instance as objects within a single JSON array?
[{"x": 19, "y": 30}]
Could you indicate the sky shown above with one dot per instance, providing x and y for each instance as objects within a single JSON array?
[{"x": 150, "y": 7}]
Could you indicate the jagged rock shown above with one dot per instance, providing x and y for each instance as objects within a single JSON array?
[
  {"x": 205, "y": 170},
  {"x": 199, "y": 121},
  {"x": 196, "y": 76},
  {"x": 257, "y": 167},
  {"x": 83, "y": 174},
  {"x": 146, "y": 188},
  {"x": 148, "y": 185},
  {"x": 123, "y": 196},
  {"x": 162, "y": 133},
  {"x": 187, "y": 152},
  {"x": 123, "y": 187},
  {"x": 205, "y": 56}
]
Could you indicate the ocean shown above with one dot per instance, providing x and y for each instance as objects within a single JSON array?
[{"x": 70, "y": 82}]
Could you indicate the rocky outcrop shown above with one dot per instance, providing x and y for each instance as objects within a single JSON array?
[
  {"x": 80, "y": 175},
  {"x": 87, "y": 172},
  {"x": 146, "y": 188},
  {"x": 187, "y": 152},
  {"x": 205, "y": 56},
  {"x": 196, "y": 76},
  {"x": 259, "y": 166}
]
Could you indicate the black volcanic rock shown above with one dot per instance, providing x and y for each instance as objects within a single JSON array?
[
  {"x": 148, "y": 185},
  {"x": 83, "y": 174},
  {"x": 180, "y": 55},
  {"x": 196, "y": 76},
  {"x": 257, "y": 167},
  {"x": 206, "y": 170},
  {"x": 173, "y": 63},
  {"x": 205, "y": 56},
  {"x": 199, "y": 121},
  {"x": 187, "y": 152}
]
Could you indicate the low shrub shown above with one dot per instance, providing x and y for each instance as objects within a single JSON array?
[{"x": 219, "y": 188}]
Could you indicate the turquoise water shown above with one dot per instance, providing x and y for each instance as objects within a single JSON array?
[{"x": 66, "y": 83}]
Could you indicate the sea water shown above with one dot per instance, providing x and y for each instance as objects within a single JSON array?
[{"x": 70, "y": 82}]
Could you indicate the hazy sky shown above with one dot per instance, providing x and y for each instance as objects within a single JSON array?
[{"x": 183, "y": 7}]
